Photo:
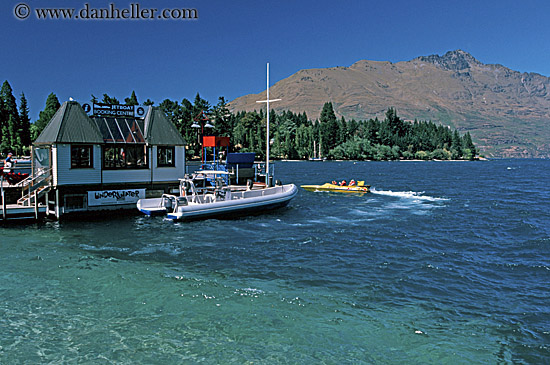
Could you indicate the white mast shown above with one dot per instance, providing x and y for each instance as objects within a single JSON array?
[{"x": 267, "y": 134}]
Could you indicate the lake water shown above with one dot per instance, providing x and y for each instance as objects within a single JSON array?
[{"x": 445, "y": 262}]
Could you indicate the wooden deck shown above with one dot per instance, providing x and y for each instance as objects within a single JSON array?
[{"x": 14, "y": 211}]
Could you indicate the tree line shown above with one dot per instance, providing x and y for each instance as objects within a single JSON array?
[{"x": 293, "y": 135}]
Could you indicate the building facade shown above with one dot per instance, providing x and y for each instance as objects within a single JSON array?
[{"x": 109, "y": 159}]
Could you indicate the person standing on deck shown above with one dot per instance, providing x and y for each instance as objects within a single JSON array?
[{"x": 8, "y": 163}]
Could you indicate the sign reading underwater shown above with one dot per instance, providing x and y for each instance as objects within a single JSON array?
[
  {"x": 115, "y": 197},
  {"x": 115, "y": 110}
]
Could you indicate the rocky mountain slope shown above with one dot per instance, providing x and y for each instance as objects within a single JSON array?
[{"x": 506, "y": 112}]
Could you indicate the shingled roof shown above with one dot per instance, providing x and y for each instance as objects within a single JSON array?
[
  {"x": 160, "y": 131},
  {"x": 71, "y": 124}
]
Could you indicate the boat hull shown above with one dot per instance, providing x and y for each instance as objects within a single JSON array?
[
  {"x": 236, "y": 203},
  {"x": 337, "y": 188},
  {"x": 242, "y": 203},
  {"x": 152, "y": 206}
]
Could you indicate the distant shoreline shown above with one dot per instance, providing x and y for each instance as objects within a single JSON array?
[{"x": 476, "y": 159}]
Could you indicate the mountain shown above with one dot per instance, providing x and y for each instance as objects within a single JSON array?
[{"x": 507, "y": 112}]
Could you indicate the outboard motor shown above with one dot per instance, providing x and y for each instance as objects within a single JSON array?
[{"x": 167, "y": 203}]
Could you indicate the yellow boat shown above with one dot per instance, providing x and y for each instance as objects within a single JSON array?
[{"x": 359, "y": 188}]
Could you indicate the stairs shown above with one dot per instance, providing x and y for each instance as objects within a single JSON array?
[{"x": 35, "y": 188}]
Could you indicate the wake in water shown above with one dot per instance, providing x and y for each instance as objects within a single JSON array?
[
  {"x": 415, "y": 202},
  {"x": 408, "y": 195}
]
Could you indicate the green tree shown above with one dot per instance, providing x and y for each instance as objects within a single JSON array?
[
  {"x": 468, "y": 147},
  {"x": 222, "y": 118},
  {"x": 170, "y": 108},
  {"x": 13, "y": 140},
  {"x": 243, "y": 132},
  {"x": 3, "y": 123},
  {"x": 456, "y": 146},
  {"x": 353, "y": 127},
  {"x": 52, "y": 105},
  {"x": 109, "y": 100},
  {"x": 343, "y": 133},
  {"x": 9, "y": 104},
  {"x": 24, "y": 122},
  {"x": 132, "y": 100},
  {"x": 200, "y": 105},
  {"x": 9, "y": 122},
  {"x": 329, "y": 129},
  {"x": 304, "y": 141},
  {"x": 5, "y": 146}
]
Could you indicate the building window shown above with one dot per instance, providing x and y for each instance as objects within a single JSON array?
[
  {"x": 75, "y": 202},
  {"x": 125, "y": 157},
  {"x": 82, "y": 157},
  {"x": 165, "y": 157}
]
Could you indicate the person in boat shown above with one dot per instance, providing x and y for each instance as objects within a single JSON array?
[
  {"x": 8, "y": 163},
  {"x": 334, "y": 182},
  {"x": 352, "y": 183},
  {"x": 343, "y": 183}
]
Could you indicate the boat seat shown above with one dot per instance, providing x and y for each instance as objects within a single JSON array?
[{"x": 209, "y": 198}]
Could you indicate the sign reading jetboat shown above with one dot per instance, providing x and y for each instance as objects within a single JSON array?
[{"x": 115, "y": 110}]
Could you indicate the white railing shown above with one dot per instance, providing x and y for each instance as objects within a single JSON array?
[{"x": 36, "y": 187}]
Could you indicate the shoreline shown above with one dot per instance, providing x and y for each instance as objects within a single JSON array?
[{"x": 415, "y": 160}]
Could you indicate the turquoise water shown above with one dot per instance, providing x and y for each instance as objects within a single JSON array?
[{"x": 445, "y": 262}]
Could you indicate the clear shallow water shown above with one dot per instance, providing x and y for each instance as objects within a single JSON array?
[{"x": 445, "y": 262}]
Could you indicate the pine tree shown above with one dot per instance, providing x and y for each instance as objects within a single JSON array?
[
  {"x": 2, "y": 121},
  {"x": 52, "y": 104},
  {"x": 329, "y": 128},
  {"x": 222, "y": 117},
  {"x": 132, "y": 100},
  {"x": 13, "y": 141},
  {"x": 9, "y": 124},
  {"x": 24, "y": 122},
  {"x": 343, "y": 135},
  {"x": 468, "y": 147},
  {"x": 10, "y": 107},
  {"x": 109, "y": 100},
  {"x": 200, "y": 105},
  {"x": 456, "y": 146},
  {"x": 4, "y": 143}
]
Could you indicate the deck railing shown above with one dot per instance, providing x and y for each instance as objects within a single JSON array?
[{"x": 37, "y": 186}]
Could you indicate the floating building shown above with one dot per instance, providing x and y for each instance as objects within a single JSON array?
[{"x": 105, "y": 159}]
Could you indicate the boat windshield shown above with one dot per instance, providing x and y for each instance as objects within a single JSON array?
[{"x": 205, "y": 180}]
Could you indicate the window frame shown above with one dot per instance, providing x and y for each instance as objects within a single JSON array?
[
  {"x": 126, "y": 162},
  {"x": 77, "y": 159},
  {"x": 161, "y": 162}
]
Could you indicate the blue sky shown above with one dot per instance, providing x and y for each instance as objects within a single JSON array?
[{"x": 224, "y": 52}]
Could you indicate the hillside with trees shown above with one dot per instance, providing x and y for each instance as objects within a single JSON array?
[
  {"x": 506, "y": 111},
  {"x": 294, "y": 136}
]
